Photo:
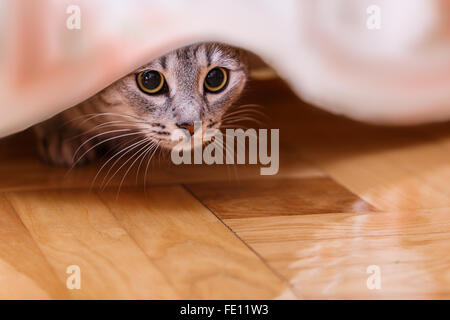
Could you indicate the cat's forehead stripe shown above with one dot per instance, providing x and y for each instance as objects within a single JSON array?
[
  {"x": 162, "y": 62},
  {"x": 203, "y": 55}
]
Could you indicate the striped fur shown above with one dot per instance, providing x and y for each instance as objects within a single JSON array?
[{"x": 121, "y": 115}]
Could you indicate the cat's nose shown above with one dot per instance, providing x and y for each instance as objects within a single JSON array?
[{"x": 187, "y": 126}]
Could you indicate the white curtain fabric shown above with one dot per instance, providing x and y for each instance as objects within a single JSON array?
[{"x": 384, "y": 61}]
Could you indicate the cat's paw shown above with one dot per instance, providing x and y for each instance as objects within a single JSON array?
[{"x": 67, "y": 150}]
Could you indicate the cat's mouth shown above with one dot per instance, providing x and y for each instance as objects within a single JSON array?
[
  {"x": 189, "y": 139},
  {"x": 169, "y": 135}
]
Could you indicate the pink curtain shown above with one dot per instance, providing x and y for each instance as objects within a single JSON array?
[{"x": 382, "y": 61}]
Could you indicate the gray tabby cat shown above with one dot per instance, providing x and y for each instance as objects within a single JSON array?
[{"x": 143, "y": 109}]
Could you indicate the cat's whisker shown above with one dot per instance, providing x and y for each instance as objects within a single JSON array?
[
  {"x": 228, "y": 148},
  {"x": 227, "y": 156},
  {"x": 230, "y": 126},
  {"x": 228, "y": 153},
  {"x": 138, "y": 154},
  {"x": 83, "y": 116},
  {"x": 100, "y": 126},
  {"x": 249, "y": 105},
  {"x": 124, "y": 164},
  {"x": 96, "y": 136},
  {"x": 148, "y": 164},
  {"x": 259, "y": 111},
  {"x": 255, "y": 107},
  {"x": 240, "y": 119},
  {"x": 146, "y": 152},
  {"x": 125, "y": 124},
  {"x": 244, "y": 118},
  {"x": 91, "y": 116},
  {"x": 221, "y": 146},
  {"x": 249, "y": 133},
  {"x": 101, "y": 114},
  {"x": 164, "y": 154},
  {"x": 246, "y": 111},
  {"x": 122, "y": 148},
  {"x": 97, "y": 144},
  {"x": 128, "y": 150}
]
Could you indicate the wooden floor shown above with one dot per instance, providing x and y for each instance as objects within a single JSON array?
[{"x": 348, "y": 196}]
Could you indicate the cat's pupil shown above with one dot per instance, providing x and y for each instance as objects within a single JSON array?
[
  {"x": 214, "y": 78},
  {"x": 151, "y": 79}
]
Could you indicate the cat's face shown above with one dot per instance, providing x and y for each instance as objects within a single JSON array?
[{"x": 194, "y": 83}]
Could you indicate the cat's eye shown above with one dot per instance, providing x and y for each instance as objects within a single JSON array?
[
  {"x": 150, "y": 81},
  {"x": 216, "y": 80}
]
